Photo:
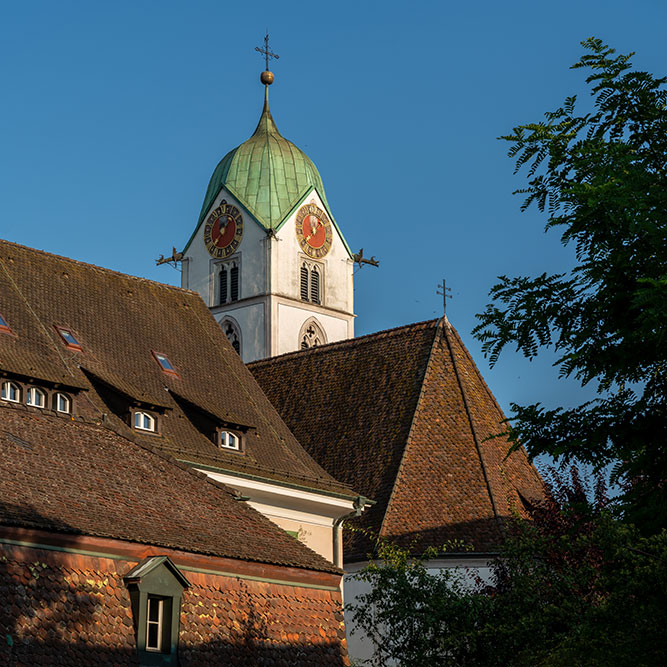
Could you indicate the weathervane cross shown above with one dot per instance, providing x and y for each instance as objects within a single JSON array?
[
  {"x": 266, "y": 52},
  {"x": 445, "y": 295}
]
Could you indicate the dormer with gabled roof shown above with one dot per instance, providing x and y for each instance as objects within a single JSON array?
[{"x": 267, "y": 255}]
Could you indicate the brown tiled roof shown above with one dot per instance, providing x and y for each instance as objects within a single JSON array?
[
  {"x": 119, "y": 320},
  {"x": 70, "y": 476},
  {"x": 404, "y": 416},
  {"x": 68, "y": 609}
]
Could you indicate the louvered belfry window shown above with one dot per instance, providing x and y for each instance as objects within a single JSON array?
[
  {"x": 304, "y": 283},
  {"x": 223, "y": 285},
  {"x": 234, "y": 283},
  {"x": 315, "y": 285}
]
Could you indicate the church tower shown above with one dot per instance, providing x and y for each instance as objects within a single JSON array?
[{"x": 267, "y": 255}]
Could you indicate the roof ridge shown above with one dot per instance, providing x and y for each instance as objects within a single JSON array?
[
  {"x": 366, "y": 338},
  {"x": 446, "y": 329},
  {"x": 94, "y": 266},
  {"x": 412, "y": 424}
]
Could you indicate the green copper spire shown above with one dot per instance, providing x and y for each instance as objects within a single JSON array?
[{"x": 268, "y": 174}]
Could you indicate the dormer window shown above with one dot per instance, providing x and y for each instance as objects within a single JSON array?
[
  {"x": 62, "y": 403},
  {"x": 69, "y": 338},
  {"x": 143, "y": 421},
  {"x": 35, "y": 397},
  {"x": 10, "y": 392},
  {"x": 229, "y": 440},
  {"x": 4, "y": 327},
  {"x": 165, "y": 364}
]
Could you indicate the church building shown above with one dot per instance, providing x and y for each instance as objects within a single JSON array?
[
  {"x": 202, "y": 456},
  {"x": 267, "y": 255}
]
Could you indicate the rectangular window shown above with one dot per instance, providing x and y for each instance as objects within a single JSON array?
[
  {"x": 165, "y": 364},
  {"x": 304, "y": 283},
  {"x": 154, "y": 624},
  {"x": 315, "y": 286},
  {"x": 223, "y": 286},
  {"x": 69, "y": 338},
  {"x": 234, "y": 283}
]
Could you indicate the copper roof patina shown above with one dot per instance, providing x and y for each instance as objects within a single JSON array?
[{"x": 267, "y": 174}]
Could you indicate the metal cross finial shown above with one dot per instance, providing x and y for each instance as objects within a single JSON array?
[
  {"x": 266, "y": 52},
  {"x": 445, "y": 295}
]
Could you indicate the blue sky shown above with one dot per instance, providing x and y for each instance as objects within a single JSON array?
[{"x": 114, "y": 115}]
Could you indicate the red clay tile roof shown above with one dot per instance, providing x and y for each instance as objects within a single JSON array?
[
  {"x": 70, "y": 476},
  {"x": 119, "y": 321},
  {"x": 404, "y": 416},
  {"x": 78, "y": 608}
]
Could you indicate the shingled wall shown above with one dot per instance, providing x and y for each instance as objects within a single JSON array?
[{"x": 72, "y": 609}]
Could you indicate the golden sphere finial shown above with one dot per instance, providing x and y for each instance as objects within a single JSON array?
[{"x": 266, "y": 77}]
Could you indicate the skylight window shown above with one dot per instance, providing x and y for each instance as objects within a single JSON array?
[
  {"x": 165, "y": 364},
  {"x": 69, "y": 338},
  {"x": 4, "y": 326}
]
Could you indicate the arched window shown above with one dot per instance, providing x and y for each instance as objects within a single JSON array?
[
  {"x": 310, "y": 282},
  {"x": 233, "y": 334},
  {"x": 144, "y": 421},
  {"x": 229, "y": 440},
  {"x": 35, "y": 397},
  {"x": 10, "y": 392},
  {"x": 311, "y": 334},
  {"x": 62, "y": 403}
]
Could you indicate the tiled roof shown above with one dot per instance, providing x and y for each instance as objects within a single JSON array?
[
  {"x": 119, "y": 320},
  {"x": 66, "y": 609},
  {"x": 404, "y": 416},
  {"x": 70, "y": 476}
]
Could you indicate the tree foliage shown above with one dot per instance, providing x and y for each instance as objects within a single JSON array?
[
  {"x": 573, "y": 586},
  {"x": 601, "y": 178}
]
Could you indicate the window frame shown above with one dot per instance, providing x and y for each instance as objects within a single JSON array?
[
  {"x": 63, "y": 332},
  {"x": 226, "y": 268},
  {"x": 307, "y": 268},
  {"x": 56, "y": 397},
  {"x": 18, "y": 389},
  {"x": 145, "y": 414},
  {"x": 168, "y": 371},
  {"x": 156, "y": 577},
  {"x": 38, "y": 391},
  {"x": 223, "y": 437}
]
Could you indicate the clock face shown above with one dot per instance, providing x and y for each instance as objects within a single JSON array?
[
  {"x": 313, "y": 231},
  {"x": 223, "y": 230}
]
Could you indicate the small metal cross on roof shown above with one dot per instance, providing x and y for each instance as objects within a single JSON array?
[
  {"x": 445, "y": 295},
  {"x": 266, "y": 52}
]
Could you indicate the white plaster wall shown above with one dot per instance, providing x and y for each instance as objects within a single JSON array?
[
  {"x": 287, "y": 257},
  {"x": 251, "y": 320},
  {"x": 290, "y": 318},
  {"x": 358, "y": 644},
  {"x": 201, "y": 269}
]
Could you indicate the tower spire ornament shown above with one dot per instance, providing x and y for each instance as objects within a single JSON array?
[
  {"x": 266, "y": 77},
  {"x": 445, "y": 294}
]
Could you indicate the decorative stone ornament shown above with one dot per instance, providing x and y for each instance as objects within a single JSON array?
[
  {"x": 313, "y": 231},
  {"x": 223, "y": 230}
]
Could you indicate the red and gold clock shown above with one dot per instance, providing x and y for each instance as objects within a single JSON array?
[
  {"x": 223, "y": 230},
  {"x": 313, "y": 231}
]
